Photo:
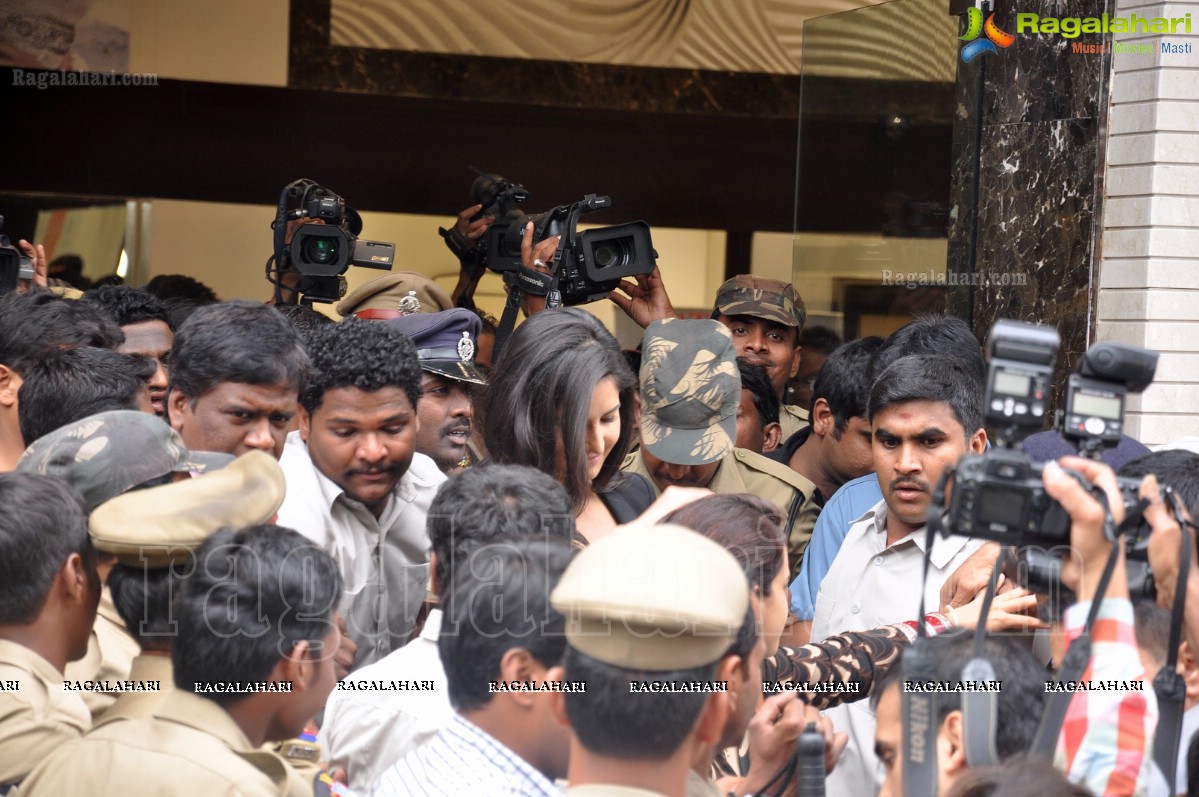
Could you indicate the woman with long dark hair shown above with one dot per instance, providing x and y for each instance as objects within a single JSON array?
[{"x": 561, "y": 399}]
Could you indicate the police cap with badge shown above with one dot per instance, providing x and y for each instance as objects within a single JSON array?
[{"x": 445, "y": 342}]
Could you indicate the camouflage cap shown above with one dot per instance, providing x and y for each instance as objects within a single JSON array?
[
  {"x": 109, "y": 453},
  {"x": 690, "y": 389},
  {"x": 162, "y": 525},
  {"x": 395, "y": 295},
  {"x": 445, "y": 342},
  {"x": 773, "y": 300},
  {"x": 655, "y": 599}
]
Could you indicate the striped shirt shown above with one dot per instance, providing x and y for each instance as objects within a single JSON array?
[
  {"x": 1106, "y": 742},
  {"x": 463, "y": 759}
]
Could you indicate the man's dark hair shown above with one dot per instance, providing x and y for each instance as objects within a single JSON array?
[
  {"x": 304, "y": 320},
  {"x": 609, "y": 721},
  {"x": 501, "y": 601},
  {"x": 1152, "y": 626},
  {"x": 42, "y": 524},
  {"x": 70, "y": 384},
  {"x": 361, "y": 354},
  {"x": 1020, "y": 701},
  {"x": 844, "y": 381},
  {"x": 821, "y": 339},
  {"x": 143, "y": 598},
  {"x": 946, "y": 335},
  {"x": 126, "y": 305},
  {"x": 492, "y": 502},
  {"x": 755, "y": 380},
  {"x": 36, "y": 321},
  {"x": 237, "y": 341},
  {"x": 178, "y": 286},
  {"x": 930, "y": 377},
  {"x": 1018, "y": 777},
  {"x": 1176, "y": 468},
  {"x": 254, "y": 595}
]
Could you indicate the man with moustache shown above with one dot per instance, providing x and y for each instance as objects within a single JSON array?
[
  {"x": 925, "y": 412},
  {"x": 356, "y": 486},
  {"x": 446, "y": 343}
]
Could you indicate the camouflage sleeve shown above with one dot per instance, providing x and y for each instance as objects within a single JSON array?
[{"x": 856, "y": 660}]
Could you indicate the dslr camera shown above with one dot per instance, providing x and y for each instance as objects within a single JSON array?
[
  {"x": 999, "y": 495},
  {"x": 14, "y": 266},
  {"x": 591, "y": 263},
  {"x": 322, "y": 253}
]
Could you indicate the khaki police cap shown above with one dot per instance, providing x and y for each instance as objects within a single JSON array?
[
  {"x": 690, "y": 390},
  {"x": 394, "y": 295},
  {"x": 656, "y": 598},
  {"x": 162, "y": 525},
  {"x": 773, "y": 300}
]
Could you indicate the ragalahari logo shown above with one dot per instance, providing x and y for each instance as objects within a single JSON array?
[{"x": 995, "y": 40}]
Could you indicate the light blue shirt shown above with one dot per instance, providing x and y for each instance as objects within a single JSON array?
[{"x": 849, "y": 503}]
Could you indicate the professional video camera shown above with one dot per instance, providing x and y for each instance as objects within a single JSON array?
[
  {"x": 321, "y": 253},
  {"x": 14, "y": 266},
  {"x": 590, "y": 264},
  {"x": 499, "y": 197},
  {"x": 999, "y": 495}
]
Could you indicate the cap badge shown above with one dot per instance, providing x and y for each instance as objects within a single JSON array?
[
  {"x": 466, "y": 347},
  {"x": 409, "y": 305}
]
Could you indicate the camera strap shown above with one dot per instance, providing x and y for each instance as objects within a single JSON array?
[
  {"x": 980, "y": 708},
  {"x": 1168, "y": 685},
  {"x": 1074, "y": 664},
  {"x": 918, "y": 709}
]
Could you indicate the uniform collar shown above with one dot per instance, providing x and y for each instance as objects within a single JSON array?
[
  {"x": 28, "y": 659},
  {"x": 193, "y": 711}
]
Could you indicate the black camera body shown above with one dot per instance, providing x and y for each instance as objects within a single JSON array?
[
  {"x": 999, "y": 495},
  {"x": 498, "y": 196},
  {"x": 322, "y": 253},
  {"x": 14, "y": 266},
  {"x": 591, "y": 263}
]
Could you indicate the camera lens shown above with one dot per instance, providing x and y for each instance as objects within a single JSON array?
[
  {"x": 613, "y": 253},
  {"x": 320, "y": 250}
]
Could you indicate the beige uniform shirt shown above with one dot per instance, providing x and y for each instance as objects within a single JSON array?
[
  {"x": 137, "y": 705},
  {"x": 110, "y": 652},
  {"x": 190, "y": 747},
  {"x": 743, "y": 471},
  {"x": 37, "y": 715},
  {"x": 792, "y": 419},
  {"x": 871, "y": 584},
  {"x": 699, "y": 786},
  {"x": 604, "y": 790}
]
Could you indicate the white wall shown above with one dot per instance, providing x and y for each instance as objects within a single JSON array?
[{"x": 1149, "y": 275}]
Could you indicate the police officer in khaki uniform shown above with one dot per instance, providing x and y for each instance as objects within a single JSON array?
[
  {"x": 103, "y": 456},
  {"x": 690, "y": 389},
  {"x": 650, "y": 614},
  {"x": 766, "y": 317},
  {"x": 151, "y": 532},
  {"x": 251, "y": 671},
  {"x": 49, "y": 589}
]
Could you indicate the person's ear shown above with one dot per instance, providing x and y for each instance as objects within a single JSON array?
[
  {"x": 772, "y": 436},
  {"x": 796, "y": 358},
  {"x": 951, "y": 747},
  {"x": 709, "y": 728},
  {"x": 978, "y": 441},
  {"x": 1190, "y": 674},
  {"x": 305, "y": 422},
  {"x": 517, "y": 664},
  {"x": 178, "y": 406},
  {"x": 10, "y": 386},
  {"x": 823, "y": 421},
  {"x": 76, "y": 579},
  {"x": 558, "y": 700}
]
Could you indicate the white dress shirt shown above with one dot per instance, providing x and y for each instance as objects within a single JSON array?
[
  {"x": 869, "y": 584},
  {"x": 384, "y": 561},
  {"x": 464, "y": 760},
  {"x": 372, "y": 725}
]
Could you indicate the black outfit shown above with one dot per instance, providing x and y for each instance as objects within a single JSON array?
[{"x": 627, "y": 496}]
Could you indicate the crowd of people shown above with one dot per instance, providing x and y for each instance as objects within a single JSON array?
[{"x": 248, "y": 550}]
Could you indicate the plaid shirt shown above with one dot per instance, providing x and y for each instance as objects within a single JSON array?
[
  {"x": 1106, "y": 742},
  {"x": 463, "y": 759}
]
